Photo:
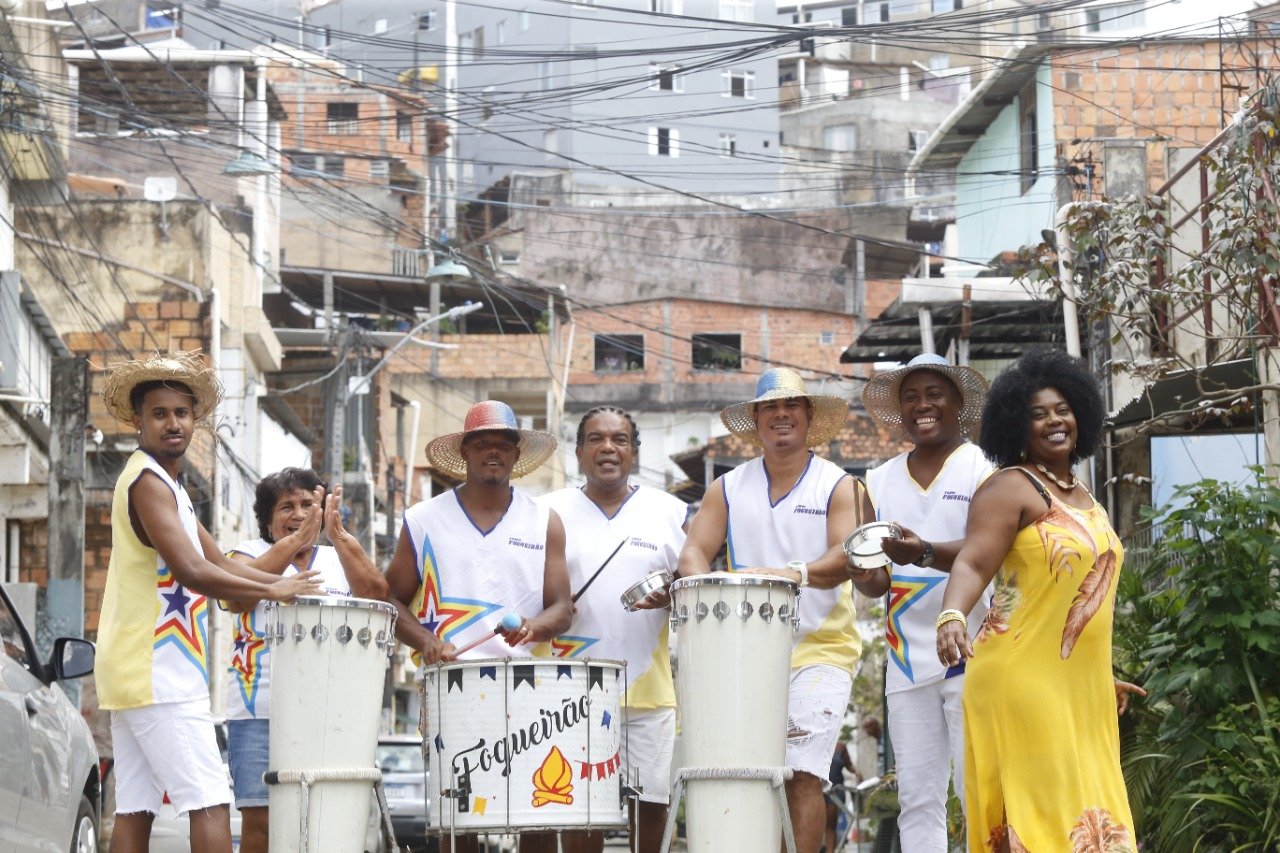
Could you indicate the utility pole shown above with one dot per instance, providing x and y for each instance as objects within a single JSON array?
[{"x": 63, "y": 612}]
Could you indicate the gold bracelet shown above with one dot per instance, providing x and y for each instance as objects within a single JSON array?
[{"x": 949, "y": 616}]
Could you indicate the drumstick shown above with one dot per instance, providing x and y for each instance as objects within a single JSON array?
[
  {"x": 591, "y": 579},
  {"x": 510, "y": 622}
]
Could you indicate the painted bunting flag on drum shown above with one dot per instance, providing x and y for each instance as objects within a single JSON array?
[{"x": 523, "y": 744}]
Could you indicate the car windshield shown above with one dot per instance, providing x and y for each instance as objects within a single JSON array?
[{"x": 400, "y": 757}]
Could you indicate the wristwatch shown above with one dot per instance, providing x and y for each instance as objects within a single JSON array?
[
  {"x": 926, "y": 559},
  {"x": 801, "y": 567}
]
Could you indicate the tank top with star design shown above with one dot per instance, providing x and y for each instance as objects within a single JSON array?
[
  {"x": 152, "y": 631},
  {"x": 469, "y": 578},
  {"x": 939, "y": 513},
  {"x": 649, "y": 526},
  {"x": 249, "y": 675},
  {"x": 765, "y": 534}
]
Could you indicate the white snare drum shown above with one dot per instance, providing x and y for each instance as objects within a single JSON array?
[
  {"x": 328, "y": 667},
  {"x": 519, "y": 744},
  {"x": 733, "y": 644}
]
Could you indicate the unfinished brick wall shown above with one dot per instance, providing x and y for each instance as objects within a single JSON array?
[
  {"x": 1165, "y": 93},
  {"x": 769, "y": 336}
]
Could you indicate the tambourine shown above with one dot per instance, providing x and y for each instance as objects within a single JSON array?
[
  {"x": 644, "y": 588},
  {"x": 862, "y": 547}
]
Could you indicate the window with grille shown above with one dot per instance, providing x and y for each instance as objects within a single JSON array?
[
  {"x": 342, "y": 118},
  {"x": 717, "y": 352},
  {"x": 619, "y": 353}
]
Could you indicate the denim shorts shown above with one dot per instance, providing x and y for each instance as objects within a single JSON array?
[{"x": 247, "y": 755}]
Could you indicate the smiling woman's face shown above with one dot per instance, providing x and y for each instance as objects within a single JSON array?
[
  {"x": 1052, "y": 436},
  {"x": 289, "y": 512}
]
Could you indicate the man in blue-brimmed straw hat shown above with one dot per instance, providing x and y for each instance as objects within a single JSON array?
[
  {"x": 926, "y": 492},
  {"x": 788, "y": 512}
]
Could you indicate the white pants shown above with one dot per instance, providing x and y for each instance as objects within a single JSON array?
[{"x": 926, "y": 725}]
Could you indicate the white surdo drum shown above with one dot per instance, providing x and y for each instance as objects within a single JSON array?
[
  {"x": 328, "y": 667},
  {"x": 518, "y": 744},
  {"x": 733, "y": 645}
]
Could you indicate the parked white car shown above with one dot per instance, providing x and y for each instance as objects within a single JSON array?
[{"x": 50, "y": 792}]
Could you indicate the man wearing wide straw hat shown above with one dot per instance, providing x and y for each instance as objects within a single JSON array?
[
  {"x": 788, "y": 512},
  {"x": 926, "y": 492},
  {"x": 468, "y": 557},
  {"x": 151, "y": 666}
]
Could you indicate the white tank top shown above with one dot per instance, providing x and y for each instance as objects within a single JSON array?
[
  {"x": 249, "y": 675},
  {"x": 795, "y": 528},
  {"x": 468, "y": 578},
  {"x": 940, "y": 514},
  {"x": 651, "y": 524}
]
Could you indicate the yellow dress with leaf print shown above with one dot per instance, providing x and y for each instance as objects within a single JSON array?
[{"x": 1042, "y": 742}]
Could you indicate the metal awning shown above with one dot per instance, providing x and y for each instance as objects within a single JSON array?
[
  {"x": 1178, "y": 393},
  {"x": 998, "y": 329}
]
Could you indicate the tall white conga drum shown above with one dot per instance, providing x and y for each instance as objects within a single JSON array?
[
  {"x": 733, "y": 647},
  {"x": 328, "y": 668}
]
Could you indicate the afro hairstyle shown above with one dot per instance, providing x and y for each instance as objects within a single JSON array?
[{"x": 1006, "y": 418}]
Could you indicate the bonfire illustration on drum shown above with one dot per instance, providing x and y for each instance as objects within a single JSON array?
[{"x": 553, "y": 780}]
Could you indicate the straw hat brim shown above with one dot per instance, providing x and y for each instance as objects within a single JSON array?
[
  {"x": 880, "y": 395},
  {"x": 536, "y": 447},
  {"x": 830, "y": 414},
  {"x": 185, "y": 367}
]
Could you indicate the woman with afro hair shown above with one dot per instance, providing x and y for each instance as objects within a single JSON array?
[{"x": 1042, "y": 747}]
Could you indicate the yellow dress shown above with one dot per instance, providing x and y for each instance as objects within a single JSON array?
[{"x": 1042, "y": 741}]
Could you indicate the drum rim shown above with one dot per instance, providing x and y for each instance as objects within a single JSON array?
[
  {"x": 335, "y": 601},
  {"x": 641, "y": 589},
  {"x": 862, "y": 536},
  {"x": 733, "y": 579},
  {"x": 477, "y": 662}
]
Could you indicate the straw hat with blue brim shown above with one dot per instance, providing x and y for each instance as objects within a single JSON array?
[
  {"x": 780, "y": 383},
  {"x": 176, "y": 369},
  {"x": 536, "y": 446},
  {"x": 880, "y": 396}
]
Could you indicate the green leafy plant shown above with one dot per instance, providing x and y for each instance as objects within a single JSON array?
[{"x": 1199, "y": 624}]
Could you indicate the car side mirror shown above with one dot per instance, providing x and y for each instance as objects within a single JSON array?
[{"x": 72, "y": 658}]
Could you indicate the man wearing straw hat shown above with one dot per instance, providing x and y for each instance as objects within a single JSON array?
[
  {"x": 151, "y": 666},
  {"x": 926, "y": 492},
  {"x": 788, "y": 512},
  {"x": 470, "y": 556}
]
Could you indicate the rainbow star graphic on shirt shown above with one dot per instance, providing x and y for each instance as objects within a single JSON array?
[
  {"x": 570, "y": 647},
  {"x": 183, "y": 620},
  {"x": 904, "y": 591},
  {"x": 247, "y": 653},
  {"x": 444, "y": 617}
]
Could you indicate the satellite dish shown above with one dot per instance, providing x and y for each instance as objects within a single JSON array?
[{"x": 160, "y": 189}]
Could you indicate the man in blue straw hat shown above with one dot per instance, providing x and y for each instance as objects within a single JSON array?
[
  {"x": 926, "y": 492},
  {"x": 789, "y": 512}
]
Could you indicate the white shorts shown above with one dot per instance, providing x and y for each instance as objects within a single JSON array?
[
  {"x": 816, "y": 706},
  {"x": 167, "y": 748},
  {"x": 647, "y": 742}
]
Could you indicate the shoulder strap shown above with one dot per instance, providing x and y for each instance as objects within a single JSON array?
[{"x": 1044, "y": 493}]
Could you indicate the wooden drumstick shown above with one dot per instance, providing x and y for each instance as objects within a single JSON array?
[
  {"x": 592, "y": 579},
  {"x": 510, "y": 622}
]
